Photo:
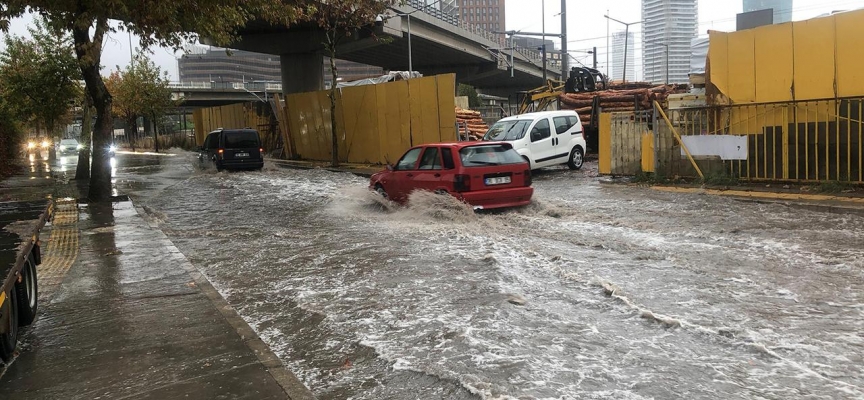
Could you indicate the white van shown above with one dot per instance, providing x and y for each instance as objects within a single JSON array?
[{"x": 543, "y": 138}]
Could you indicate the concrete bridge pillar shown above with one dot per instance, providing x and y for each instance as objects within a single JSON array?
[{"x": 302, "y": 72}]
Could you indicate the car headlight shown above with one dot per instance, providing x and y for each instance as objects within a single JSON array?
[
  {"x": 112, "y": 148},
  {"x": 62, "y": 148},
  {"x": 80, "y": 146},
  {"x": 46, "y": 143},
  {"x": 31, "y": 145}
]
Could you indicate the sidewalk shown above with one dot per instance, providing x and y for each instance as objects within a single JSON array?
[{"x": 123, "y": 314}]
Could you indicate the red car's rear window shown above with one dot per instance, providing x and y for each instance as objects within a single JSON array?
[{"x": 491, "y": 154}]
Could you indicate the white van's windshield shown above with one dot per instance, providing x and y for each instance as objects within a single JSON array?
[{"x": 507, "y": 130}]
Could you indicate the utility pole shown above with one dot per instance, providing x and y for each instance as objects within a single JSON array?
[
  {"x": 543, "y": 45},
  {"x": 564, "y": 54}
]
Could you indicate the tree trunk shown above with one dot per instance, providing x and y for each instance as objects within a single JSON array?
[
  {"x": 89, "y": 53},
  {"x": 83, "y": 171},
  {"x": 333, "y": 130},
  {"x": 155, "y": 135},
  {"x": 134, "y": 137}
]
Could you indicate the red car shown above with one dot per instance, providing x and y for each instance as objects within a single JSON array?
[{"x": 483, "y": 174}]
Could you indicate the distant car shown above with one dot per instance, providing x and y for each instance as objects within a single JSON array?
[
  {"x": 233, "y": 149},
  {"x": 543, "y": 138},
  {"x": 38, "y": 144},
  {"x": 69, "y": 146},
  {"x": 485, "y": 175}
]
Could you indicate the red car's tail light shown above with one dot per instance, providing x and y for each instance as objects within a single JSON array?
[
  {"x": 221, "y": 151},
  {"x": 462, "y": 183},
  {"x": 528, "y": 177},
  {"x": 260, "y": 149}
]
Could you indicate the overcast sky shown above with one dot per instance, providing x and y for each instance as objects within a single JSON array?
[{"x": 586, "y": 26}]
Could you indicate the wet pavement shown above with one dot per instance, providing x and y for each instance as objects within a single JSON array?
[
  {"x": 131, "y": 318},
  {"x": 593, "y": 291}
]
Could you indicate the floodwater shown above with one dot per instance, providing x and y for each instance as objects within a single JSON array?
[{"x": 594, "y": 291}]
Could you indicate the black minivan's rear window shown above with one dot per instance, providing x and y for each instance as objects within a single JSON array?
[{"x": 241, "y": 140}]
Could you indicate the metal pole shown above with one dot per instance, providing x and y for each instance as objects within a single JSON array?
[
  {"x": 131, "y": 57},
  {"x": 595, "y": 57},
  {"x": 543, "y": 19},
  {"x": 410, "y": 61},
  {"x": 667, "y": 65},
  {"x": 626, "y": 36},
  {"x": 564, "y": 53},
  {"x": 512, "y": 46}
]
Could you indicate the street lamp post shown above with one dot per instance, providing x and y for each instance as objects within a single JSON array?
[
  {"x": 626, "y": 39},
  {"x": 543, "y": 19},
  {"x": 666, "y": 49},
  {"x": 408, "y": 14}
]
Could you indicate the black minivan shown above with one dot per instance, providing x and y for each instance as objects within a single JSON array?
[{"x": 233, "y": 149}]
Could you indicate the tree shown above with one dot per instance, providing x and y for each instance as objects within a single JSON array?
[
  {"x": 140, "y": 90},
  {"x": 126, "y": 103},
  {"x": 10, "y": 132},
  {"x": 341, "y": 20},
  {"x": 168, "y": 23},
  {"x": 468, "y": 90},
  {"x": 41, "y": 76}
]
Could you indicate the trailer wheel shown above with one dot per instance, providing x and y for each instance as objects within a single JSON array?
[
  {"x": 9, "y": 327},
  {"x": 28, "y": 293}
]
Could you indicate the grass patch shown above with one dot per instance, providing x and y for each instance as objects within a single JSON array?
[
  {"x": 834, "y": 187},
  {"x": 719, "y": 180}
]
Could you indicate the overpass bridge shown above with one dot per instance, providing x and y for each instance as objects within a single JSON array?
[
  {"x": 439, "y": 44},
  {"x": 212, "y": 94}
]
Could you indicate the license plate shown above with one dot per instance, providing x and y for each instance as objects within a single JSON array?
[
  {"x": 498, "y": 181},
  {"x": 241, "y": 154}
]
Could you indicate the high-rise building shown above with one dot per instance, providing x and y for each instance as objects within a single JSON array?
[
  {"x": 671, "y": 23},
  {"x": 216, "y": 65},
  {"x": 485, "y": 14},
  {"x": 782, "y": 8},
  {"x": 618, "y": 57}
]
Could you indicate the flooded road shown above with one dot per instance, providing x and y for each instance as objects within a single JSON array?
[{"x": 594, "y": 291}]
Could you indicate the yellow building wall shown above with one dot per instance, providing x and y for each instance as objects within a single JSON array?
[{"x": 820, "y": 58}]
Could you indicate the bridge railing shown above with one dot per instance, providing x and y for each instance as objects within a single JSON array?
[
  {"x": 532, "y": 55},
  {"x": 250, "y": 86}
]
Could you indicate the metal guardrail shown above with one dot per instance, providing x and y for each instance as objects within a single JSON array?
[{"x": 243, "y": 86}]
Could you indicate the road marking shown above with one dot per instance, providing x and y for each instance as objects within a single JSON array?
[{"x": 61, "y": 251}]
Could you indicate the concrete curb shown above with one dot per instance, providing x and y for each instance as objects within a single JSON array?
[{"x": 293, "y": 387}]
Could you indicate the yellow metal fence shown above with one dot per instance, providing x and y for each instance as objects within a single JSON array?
[{"x": 818, "y": 140}]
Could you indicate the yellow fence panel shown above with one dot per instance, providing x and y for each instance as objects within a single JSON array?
[
  {"x": 819, "y": 58},
  {"x": 604, "y": 145},
  {"x": 310, "y": 124},
  {"x": 360, "y": 126},
  {"x": 741, "y": 50},
  {"x": 718, "y": 61},
  {"x": 446, "y": 112},
  {"x": 850, "y": 57},
  {"x": 774, "y": 63},
  {"x": 376, "y": 123},
  {"x": 814, "y": 58},
  {"x": 647, "y": 152},
  {"x": 394, "y": 119}
]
